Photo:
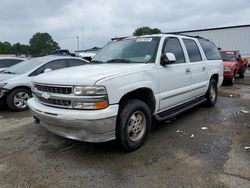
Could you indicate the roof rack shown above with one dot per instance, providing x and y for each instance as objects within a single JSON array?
[{"x": 177, "y": 33}]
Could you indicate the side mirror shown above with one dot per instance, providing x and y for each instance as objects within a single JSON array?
[
  {"x": 47, "y": 70},
  {"x": 167, "y": 58}
]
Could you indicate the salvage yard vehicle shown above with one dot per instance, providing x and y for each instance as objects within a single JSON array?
[
  {"x": 129, "y": 84},
  {"x": 6, "y": 62},
  {"x": 233, "y": 64},
  {"x": 16, "y": 81}
]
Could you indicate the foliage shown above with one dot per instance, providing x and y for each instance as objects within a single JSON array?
[
  {"x": 146, "y": 31},
  {"x": 39, "y": 43},
  {"x": 42, "y": 43}
]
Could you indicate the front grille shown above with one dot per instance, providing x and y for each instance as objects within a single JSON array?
[
  {"x": 54, "y": 89},
  {"x": 57, "y": 102}
]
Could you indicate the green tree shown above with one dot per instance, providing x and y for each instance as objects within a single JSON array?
[
  {"x": 146, "y": 31},
  {"x": 42, "y": 43}
]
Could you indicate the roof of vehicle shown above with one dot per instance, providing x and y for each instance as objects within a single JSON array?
[
  {"x": 228, "y": 50},
  {"x": 12, "y": 57},
  {"x": 56, "y": 57},
  {"x": 158, "y": 35}
]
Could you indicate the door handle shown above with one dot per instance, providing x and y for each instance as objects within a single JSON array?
[
  {"x": 188, "y": 70},
  {"x": 203, "y": 68}
]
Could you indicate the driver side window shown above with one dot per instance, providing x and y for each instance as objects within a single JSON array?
[{"x": 172, "y": 45}]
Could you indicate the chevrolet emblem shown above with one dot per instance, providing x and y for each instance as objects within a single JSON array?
[{"x": 46, "y": 95}]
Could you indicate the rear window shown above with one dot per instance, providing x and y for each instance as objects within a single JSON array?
[
  {"x": 210, "y": 50},
  {"x": 4, "y": 63}
]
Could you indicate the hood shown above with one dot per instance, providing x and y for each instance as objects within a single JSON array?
[
  {"x": 87, "y": 74},
  {"x": 7, "y": 76},
  {"x": 229, "y": 63}
]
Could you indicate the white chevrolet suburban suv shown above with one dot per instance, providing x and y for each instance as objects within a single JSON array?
[{"x": 129, "y": 84}]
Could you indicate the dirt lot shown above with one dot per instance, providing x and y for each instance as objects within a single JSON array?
[{"x": 215, "y": 157}]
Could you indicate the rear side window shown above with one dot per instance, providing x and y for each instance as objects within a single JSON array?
[
  {"x": 172, "y": 45},
  {"x": 75, "y": 62},
  {"x": 55, "y": 65},
  {"x": 210, "y": 50},
  {"x": 192, "y": 50},
  {"x": 4, "y": 63}
]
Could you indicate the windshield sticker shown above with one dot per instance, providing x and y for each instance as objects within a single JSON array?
[
  {"x": 230, "y": 53},
  {"x": 144, "y": 40},
  {"x": 147, "y": 57}
]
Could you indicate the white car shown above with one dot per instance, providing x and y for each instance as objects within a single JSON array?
[
  {"x": 129, "y": 83},
  {"x": 6, "y": 62},
  {"x": 16, "y": 81}
]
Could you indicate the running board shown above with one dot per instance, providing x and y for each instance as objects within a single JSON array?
[{"x": 168, "y": 114}]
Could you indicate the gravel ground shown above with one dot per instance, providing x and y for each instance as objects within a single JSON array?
[{"x": 214, "y": 157}]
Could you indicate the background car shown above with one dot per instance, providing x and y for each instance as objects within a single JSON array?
[
  {"x": 233, "y": 64},
  {"x": 6, "y": 62},
  {"x": 16, "y": 81}
]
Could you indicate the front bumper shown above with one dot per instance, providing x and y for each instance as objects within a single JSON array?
[{"x": 83, "y": 125}]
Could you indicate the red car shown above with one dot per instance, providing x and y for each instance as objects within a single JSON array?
[{"x": 233, "y": 65}]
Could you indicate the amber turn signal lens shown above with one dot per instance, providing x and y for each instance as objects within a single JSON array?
[{"x": 101, "y": 105}]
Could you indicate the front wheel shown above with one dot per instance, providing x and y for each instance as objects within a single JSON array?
[
  {"x": 242, "y": 74},
  {"x": 211, "y": 94},
  {"x": 17, "y": 99},
  {"x": 232, "y": 80},
  {"x": 133, "y": 125}
]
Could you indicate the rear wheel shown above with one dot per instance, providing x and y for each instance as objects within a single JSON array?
[
  {"x": 17, "y": 99},
  {"x": 133, "y": 125},
  {"x": 211, "y": 94}
]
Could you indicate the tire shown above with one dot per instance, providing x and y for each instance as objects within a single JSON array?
[
  {"x": 242, "y": 74},
  {"x": 16, "y": 100},
  {"x": 232, "y": 80},
  {"x": 211, "y": 94},
  {"x": 133, "y": 125}
]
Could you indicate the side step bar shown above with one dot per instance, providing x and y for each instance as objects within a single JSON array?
[{"x": 170, "y": 113}]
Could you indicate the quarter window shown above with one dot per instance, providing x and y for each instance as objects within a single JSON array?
[
  {"x": 210, "y": 50},
  {"x": 172, "y": 45},
  {"x": 192, "y": 50}
]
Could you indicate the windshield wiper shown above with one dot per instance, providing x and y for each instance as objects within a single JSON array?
[
  {"x": 96, "y": 61},
  {"x": 8, "y": 72},
  {"x": 119, "y": 60}
]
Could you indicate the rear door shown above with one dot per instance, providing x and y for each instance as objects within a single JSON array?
[
  {"x": 198, "y": 68},
  {"x": 175, "y": 78}
]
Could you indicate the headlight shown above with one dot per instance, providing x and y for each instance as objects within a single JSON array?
[
  {"x": 89, "y": 90},
  {"x": 96, "y": 98},
  {"x": 2, "y": 84},
  {"x": 227, "y": 69}
]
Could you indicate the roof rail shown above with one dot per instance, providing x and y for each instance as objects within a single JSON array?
[{"x": 177, "y": 33}]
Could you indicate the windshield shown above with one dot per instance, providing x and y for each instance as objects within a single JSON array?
[
  {"x": 228, "y": 56},
  {"x": 136, "y": 50},
  {"x": 24, "y": 66}
]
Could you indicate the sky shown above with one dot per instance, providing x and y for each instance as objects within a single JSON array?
[{"x": 97, "y": 21}]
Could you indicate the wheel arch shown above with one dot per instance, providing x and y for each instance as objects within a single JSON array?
[{"x": 144, "y": 94}]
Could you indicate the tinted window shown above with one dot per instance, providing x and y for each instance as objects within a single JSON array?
[
  {"x": 74, "y": 62},
  {"x": 210, "y": 49},
  {"x": 228, "y": 56},
  {"x": 192, "y": 50},
  {"x": 172, "y": 45},
  {"x": 8, "y": 62},
  {"x": 54, "y": 65}
]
